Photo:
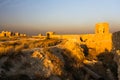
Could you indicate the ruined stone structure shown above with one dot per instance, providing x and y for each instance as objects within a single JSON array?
[
  {"x": 11, "y": 34},
  {"x": 116, "y": 50},
  {"x": 17, "y": 34},
  {"x": 50, "y": 34},
  {"x": 38, "y": 36},
  {"x": 6, "y": 34},
  {"x": 96, "y": 43},
  {"x": 102, "y": 28}
]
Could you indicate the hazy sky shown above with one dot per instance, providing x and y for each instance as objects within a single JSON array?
[{"x": 61, "y": 16}]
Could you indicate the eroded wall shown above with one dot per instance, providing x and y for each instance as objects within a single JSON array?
[
  {"x": 11, "y": 34},
  {"x": 96, "y": 43},
  {"x": 116, "y": 50}
]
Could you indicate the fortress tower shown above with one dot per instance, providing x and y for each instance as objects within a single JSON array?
[
  {"x": 102, "y": 28},
  {"x": 49, "y": 34}
]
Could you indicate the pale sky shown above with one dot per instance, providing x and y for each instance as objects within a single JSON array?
[{"x": 60, "y": 16}]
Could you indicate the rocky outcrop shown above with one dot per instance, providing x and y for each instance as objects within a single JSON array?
[
  {"x": 116, "y": 50},
  {"x": 63, "y": 61},
  {"x": 116, "y": 40},
  {"x": 75, "y": 50},
  {"x": 52, "y": 63},
  {"x": 117, "y": 60},
  {"x": 35, "y": 64}
]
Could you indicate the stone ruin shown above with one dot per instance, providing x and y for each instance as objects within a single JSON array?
[
  {"x": 101, "y": 42},
  {"x": 11, "y": 34},
  {"x": 102, "y": 28},
  {"x": 96, "y": 43}
]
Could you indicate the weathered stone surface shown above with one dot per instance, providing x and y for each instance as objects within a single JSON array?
[
  {"x": 96, "y": 43},
  {"x": 116, "y": 50},
  {"x": 33, "y": 63},
  {"x": 117, "y": 60},
  {"x": 116, "y": 40},
  {"x": 10, "y": 34}
]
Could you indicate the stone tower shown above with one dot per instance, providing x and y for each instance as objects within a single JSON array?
[
  {"x": 49, "y": 34},
  {"x": 102, "y": 28}
]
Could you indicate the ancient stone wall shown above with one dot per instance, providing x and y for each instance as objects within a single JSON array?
[
  {"x": 116, "y": 40},
  {"x": 10, "y": 34},
  {"x": 102, "y": 28},
  {"x": 99, "y": 43},
  {"x": 116, "y": 50},
  {"x": 66, "y": 36},
  {"x": 17, "y": 34},
  {"x": 96, "y": 43},
  {"x": 5, "y": 34}
]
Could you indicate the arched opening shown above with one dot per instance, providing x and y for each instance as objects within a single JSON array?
[
  {"x": 5, "y": 35},
  {"x": 103, "y": 30},
  {"x": 48, "y": 36}
]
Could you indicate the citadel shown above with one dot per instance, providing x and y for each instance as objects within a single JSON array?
[{"x": 96, "y": 43}]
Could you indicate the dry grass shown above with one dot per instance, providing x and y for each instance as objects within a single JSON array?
[
  {"x": 7, "y": 47},
  {"x": 6, "y": 50},
  {"x": 54, "y": 62}
]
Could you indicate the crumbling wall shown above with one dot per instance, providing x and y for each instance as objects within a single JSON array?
[
  {"x": 117, "y": 60},
  {"x": 96, "y": 43},
  {"x": 17, "y": 34},
  {"x": 5, "y": 34},
  {"x": 116, "y": 40},
  {"x": 11, "y": 34},
  {"x": 66, "y": 36},
  {"x": 102, "y": 28},
  {"x": 116, "y": 50},
  {"x": 102, "y": 43}
]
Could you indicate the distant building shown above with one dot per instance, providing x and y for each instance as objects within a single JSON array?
[
  {"x": 102, "y": 28},
  {"x": 10, "y": 34},
  {"x": 48, "y": 34},
  {"x": 5, "y": 34},
  {"x": 17, "y": 34}
]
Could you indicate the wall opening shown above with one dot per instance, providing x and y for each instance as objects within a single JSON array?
[{"x": 48, "y": 36}]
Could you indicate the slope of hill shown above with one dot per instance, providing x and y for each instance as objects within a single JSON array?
[{"x": 53, "y": 59}]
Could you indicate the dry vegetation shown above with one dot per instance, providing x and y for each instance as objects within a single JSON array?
[
  {"x": 8, "y": 47},
  {"x": 51, "y": 59}
]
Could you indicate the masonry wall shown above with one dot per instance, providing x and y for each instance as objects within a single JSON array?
[
  {"x": 96, "y": 43},
  {"x": 11, "y": 34},
  {"x": 99, "y": 43},
  {"x": 116, "y": 50},
  {"x": 65, "y": 36}
]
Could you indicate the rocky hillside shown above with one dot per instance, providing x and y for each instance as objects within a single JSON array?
[
  {"x": 55, "y": 60},
  {"x": 47, "y": 63},
  {"x": 116, "y": 50}
]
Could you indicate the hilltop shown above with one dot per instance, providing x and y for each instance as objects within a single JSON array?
[{"x": 61, "y": 57}]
